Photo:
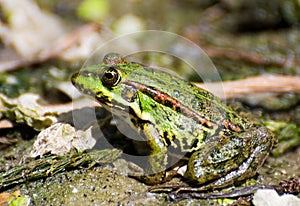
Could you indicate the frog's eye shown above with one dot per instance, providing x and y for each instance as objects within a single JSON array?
[{"x": 111, "y": 77}]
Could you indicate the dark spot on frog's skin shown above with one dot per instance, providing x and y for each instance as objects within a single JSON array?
[
  {"x": 99, "y": 93},
  {"x": 133, "y": 120},
  {"x": 195, "y": 143},
  {"x": 178, "y": 109},
  {"x": 151, "y": 92},
  {"x": 102, "y": 99},
  {"x": 169, "y": 104},
  {"x": 154, "y": 106},
  {"x": 165, "y": 135}
]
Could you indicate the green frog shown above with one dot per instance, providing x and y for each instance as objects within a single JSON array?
[{"x": 217, "y": 145}]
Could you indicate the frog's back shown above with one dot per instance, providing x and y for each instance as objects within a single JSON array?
[{"x": 186, "y": 94}]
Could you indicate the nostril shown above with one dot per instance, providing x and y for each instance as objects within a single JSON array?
[{"x": 85, "y": 73}]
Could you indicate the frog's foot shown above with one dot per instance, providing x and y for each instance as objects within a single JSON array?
[
  {"x": 134, "y": 170},
  {"x": 138, "y": 173},
  {"x": 157, "y": 178},
  {"x": 153, "y": 179},
  {"x": 176, "y": 188}
]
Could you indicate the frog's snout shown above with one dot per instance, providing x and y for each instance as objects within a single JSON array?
[{"x": 74, "y": 78}]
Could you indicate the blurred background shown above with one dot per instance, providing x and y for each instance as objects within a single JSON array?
[{"x": 43, "y": 42}]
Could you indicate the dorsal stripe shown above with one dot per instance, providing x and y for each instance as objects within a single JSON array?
[{"x": 168, "y": 101}]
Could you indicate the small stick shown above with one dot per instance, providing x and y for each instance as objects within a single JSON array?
[{"x": 254, "y": 85}]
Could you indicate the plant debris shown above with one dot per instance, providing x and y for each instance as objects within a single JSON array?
[{"x": 50, "y": 165}]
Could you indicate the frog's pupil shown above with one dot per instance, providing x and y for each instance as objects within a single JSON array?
[{"x": 109, "y": 75}]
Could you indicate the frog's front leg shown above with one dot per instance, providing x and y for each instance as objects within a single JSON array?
[
  {"x": 155, "y": 171},
  {"x": 224, "y": 160}
]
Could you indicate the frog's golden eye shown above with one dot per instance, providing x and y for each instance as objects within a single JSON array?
[{"x": 111, "y": 77}]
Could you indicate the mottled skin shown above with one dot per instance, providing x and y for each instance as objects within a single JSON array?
[{"x": 219, "y": 146}]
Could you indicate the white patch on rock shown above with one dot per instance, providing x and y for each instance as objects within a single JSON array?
[
  {"x": 268, "y": 197},
  {"x": 60, "y": 139}
]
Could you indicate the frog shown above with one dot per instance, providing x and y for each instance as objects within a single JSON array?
[{"x": 215, "y": 144}]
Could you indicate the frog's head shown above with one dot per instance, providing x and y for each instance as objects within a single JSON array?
[{"x": 105, "y": 82}]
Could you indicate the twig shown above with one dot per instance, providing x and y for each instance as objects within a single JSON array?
[
  {"x": 255, "y": 85},
  {"x": 291, "y": 186}
]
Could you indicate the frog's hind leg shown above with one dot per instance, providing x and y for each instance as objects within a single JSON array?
[{"x": 225, "y": 160}]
